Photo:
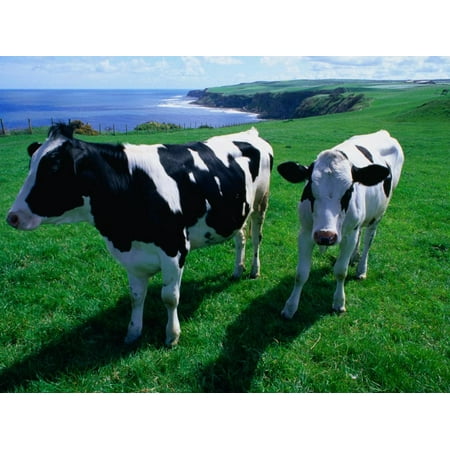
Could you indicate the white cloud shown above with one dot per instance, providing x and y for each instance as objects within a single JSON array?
[
  {"x": 223, "y": 60},
  {"x": 192, "y": 66}
]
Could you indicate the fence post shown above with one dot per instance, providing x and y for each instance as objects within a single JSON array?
[
  {"x": 29, "y": 126},
  {"x": 2, "y": 126}
]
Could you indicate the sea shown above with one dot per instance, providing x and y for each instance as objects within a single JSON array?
[{"x": 104, "y": 109}]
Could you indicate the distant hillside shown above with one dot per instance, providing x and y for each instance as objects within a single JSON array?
[
  {"x": 298, "y": 98},
  {"x": 283, "y": 100}
]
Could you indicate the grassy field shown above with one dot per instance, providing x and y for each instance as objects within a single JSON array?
[{"x": 65, "y": 305}]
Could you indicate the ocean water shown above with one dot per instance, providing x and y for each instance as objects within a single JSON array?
[{"x": 105, "y": 109}]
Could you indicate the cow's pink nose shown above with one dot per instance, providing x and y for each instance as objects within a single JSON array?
[
  {"x": 13, "y": 220},
  {"x": 325, "y": 237}
]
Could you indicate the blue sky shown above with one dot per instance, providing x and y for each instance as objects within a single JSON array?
[
  {"x": 202, "y": 27},
  {"x": 38, "y": 72}
]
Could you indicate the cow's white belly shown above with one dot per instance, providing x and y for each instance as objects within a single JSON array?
[{"x": 143, "y": 259}]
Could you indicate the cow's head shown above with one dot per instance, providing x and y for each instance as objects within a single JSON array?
[
  {"x": 51, "y": 192},
  {"x": 328, "y": 192}
]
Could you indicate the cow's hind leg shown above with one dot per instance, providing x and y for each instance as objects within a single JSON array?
[
  {"x": 170, "y": 295},
  {"x": 138, "y": 288},
  {"x": 239, "y": 242},
  {"x": 369, "y": 235},
  {"x": 257, "y": 221}
]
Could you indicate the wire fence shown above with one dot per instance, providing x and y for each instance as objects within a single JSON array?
[{"x": 112, "y": 129}]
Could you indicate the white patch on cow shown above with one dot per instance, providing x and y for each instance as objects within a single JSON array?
[
  {"x": 217, "y": 180},
  {"x": 192, "y": 177},
  {"x": 222, "y": 148},
  {"x": 142, "y": 259},
  {"x": 331, "y": 178},
  {"x": 201, "y": 235},
  {"x": 145, "y": 157},
  {"x": 198, "y": 162}
]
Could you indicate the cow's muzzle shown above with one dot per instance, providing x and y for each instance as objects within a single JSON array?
[
  {"x": 22, "y": 220},
  {"x": 325, "y": 237}
]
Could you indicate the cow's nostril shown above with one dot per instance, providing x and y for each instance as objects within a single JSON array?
[
  {"x": 325, "y": 237},
  {"x": 13, "y": 220}
]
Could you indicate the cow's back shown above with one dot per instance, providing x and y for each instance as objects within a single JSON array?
[
  {"x": 375, "y": 148},
  {"x": 214, "y": 184}
]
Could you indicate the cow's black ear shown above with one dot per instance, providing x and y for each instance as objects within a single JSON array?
[
  {"x": 370, "y": 175},
  {"x": 33, "y": 147},
  {"x": 293, "y": 172}
]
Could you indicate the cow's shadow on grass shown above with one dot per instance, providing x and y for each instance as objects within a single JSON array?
[
  {"x": 261, "y": 325},
  {"x": 99, "y": 340}
]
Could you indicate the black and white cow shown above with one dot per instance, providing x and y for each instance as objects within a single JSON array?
[
  {"x": 348, "y": 188},
  {"x": 151, "y": 203}
]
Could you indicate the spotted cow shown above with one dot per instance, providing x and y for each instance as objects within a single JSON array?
[
  {"x": 151, "y": 203},
  {"x": 347, "y": 188}
]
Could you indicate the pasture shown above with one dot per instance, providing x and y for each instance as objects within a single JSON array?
[{"x": 65, "y": 303}]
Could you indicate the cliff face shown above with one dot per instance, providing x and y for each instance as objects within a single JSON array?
[{"x": 284, "y": 105}]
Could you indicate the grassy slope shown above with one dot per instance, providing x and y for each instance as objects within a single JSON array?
[{"x": 65, "y": 308}]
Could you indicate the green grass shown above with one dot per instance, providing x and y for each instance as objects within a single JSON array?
[{"x": 65, "y": 306}]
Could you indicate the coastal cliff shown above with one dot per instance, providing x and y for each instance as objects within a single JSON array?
[{"x": 284, "y": 105}]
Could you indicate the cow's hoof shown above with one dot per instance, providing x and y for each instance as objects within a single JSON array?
[
  {"x": 339, "y": 310},
  {"x": 237, "y": 274},
  {"x": 131, "y": 339},
  {"x": 361, "y": 276},
  {"x": 172, "y": 342},
  {"x": 286, "y": 315}
]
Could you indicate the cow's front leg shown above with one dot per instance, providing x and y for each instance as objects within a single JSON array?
[
  {"x": 138, "y": 288},
  {"x": 305, "y": 248},
  {"x": 170, "y": 295},
  {"x": 341, "y": 267},
  {"x": 361, "y": 270}
]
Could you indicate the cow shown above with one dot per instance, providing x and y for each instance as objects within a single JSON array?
[
  {"x": 152, "y": 204},
  {"x": 347, "y": 188}
]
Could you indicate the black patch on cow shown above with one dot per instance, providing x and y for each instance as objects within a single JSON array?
[
  {"x": 228, "y": 206},
  {"x": 343, "y": 154},
  {"x": 370, "y": 175},
  {"x": 308, "y": 195},
  {"x": 56, "y": 189},
  {"x": 252, "y": 154},
  {"x": 365, "y": 152},
  {"x": 387, "y": 184},
  {"x": 345, "y": 200}
]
